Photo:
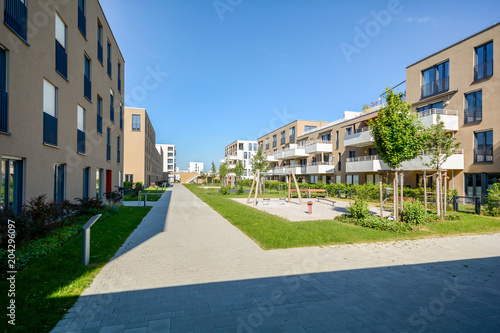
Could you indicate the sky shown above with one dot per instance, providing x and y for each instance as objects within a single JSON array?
[{"x": 212, "y": 72}]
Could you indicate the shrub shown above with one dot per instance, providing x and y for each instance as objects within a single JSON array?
[
  {"x": 378, "y": 223},
  {"x": 240, "y": 190},
  {"x": 114, "y": 197},
  {"x": 127, "y": 184},
  {"x": 493, "y": 200},
  {"x": 432, "y": 218},
  {"x": 359, "y": 209},
  {"x": 138, "y": 185},
  {"x": 453, "y": 216},
  {"x": 413, "y": 212},
  {"x": 89, "y": 206},
  {"x": 224, "y": 190}
]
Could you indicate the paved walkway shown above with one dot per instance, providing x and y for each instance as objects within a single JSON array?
[{"x": 195, "y": 272}]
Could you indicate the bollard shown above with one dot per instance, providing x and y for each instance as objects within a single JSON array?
[
  {"x": 139, "y": 199},
  {"x": 477, "y": 202},
  {"x": 455, "y": 203},
  {"x": 146, "y": 198},
  {"x": 86, "y": 239},
  {"x": 157, "y": 192},
  {"x": 309, "y": 206}
]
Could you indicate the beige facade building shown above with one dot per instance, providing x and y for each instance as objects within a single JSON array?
[
  {"x": 143, "y": 161},
  {"x": 61, "y": 102}
]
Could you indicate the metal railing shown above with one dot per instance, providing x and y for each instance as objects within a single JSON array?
[
  {"x": 320, "y": 163},
  {"x": 319, "y": 141},
  {"x": 435, "y": 87},
  {"x": 4, "y": 110},
  {"x": 444, "y": 112},
  {"x": 87, "y": 87},
  {"x": 16, "y": 17},
  {"x": 363, "y": 158},
  {"x": 483, "y": 70},
  {"x": 49, "y": 129},
  {"x": 473, "y": 115},
  {"x": 80, "y": 142},
  {"x": 61, "y": 60},
  {"x": 86, "y": 238},
  {"x": 467, "y": 204},
  {"x": 483, "y": 155}
]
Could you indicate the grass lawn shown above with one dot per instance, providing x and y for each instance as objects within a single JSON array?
[
  {"x": 273, "y": 232},
  {"x": 51, "y": 285},
  {"x": 151, "y": 196}
]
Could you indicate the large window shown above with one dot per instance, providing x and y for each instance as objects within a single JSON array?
[
  {"x": 309, "y": 127},
  {"x": 11, "y": 187},
  {"x": 473, "y": 107},
  {"x": 292, "y": 134},
  {"x": 80, "y": 135},
  {"x": 109, "y": 59},
  {"x": 267, "y": 143},
  {"x": 86, "y": 182},
  {"x": 121, "y": 116},
  {"x": 119, "y": 70},
  {"x": 483, "y": 147},
  {"x": 99, "y": 41},
  {"x": 435, "y": 80},
  {"x": 4, "y": 96},
  {"x": 82, "y": 22},
  {"x": 275, "y": 140},
  {"x": 16, "y": 17},
  {"x": 326, "y": 138},
  {"x": 438, "y": 105},
  {"x": 61, "y": 55},
  {"x": 99, "y": 114},
  {"x": 49, "y": 113},
  {"x": 87, "y": 83},
  {"x": 111, "y": 106},
  {"x": 59, "y": 182},
  {"x": 477, "y": 184},
  {"x": 98, "y": 183},
  {"x": 136, "y": 122},
  {"x": 108, "y": 144},
  {"x": 118, "y": 151},
  {"x": 484, "y": 61},
  {"x": 283, "y": 137}
]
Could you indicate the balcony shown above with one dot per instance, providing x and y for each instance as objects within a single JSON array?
[
  {"x": 320, "y": 168},
  {"x": 4, "y": 108},
  {"x": 448, "y": 117},
  {"x": 61, "y": 60},
  {"x": 483, "y": 70},
  {"x": 297, "y": 169},
  {"x": 435, "y": 87},
  {"x": 361, "y": 137},
  {"x": 373, "y": 163},
  {"x": 232, "y": 157},
  {"x": 270, "y": 158},
  {"x": 291, "y": 153},
  {"x": 231, "y": 166},
  {"x": 319, "y": 147},
  {"x": 16, "y": 18},
  {"x": 483, "y": 155},
  {"x": 473, "y": 115}
]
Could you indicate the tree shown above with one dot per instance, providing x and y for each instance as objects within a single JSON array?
[
  {"x": 259, "y": 162},
  {"x": 397, "y": 135},
  {"x": 213, "y": 172},
  {"x": 238, "y": 171},
  {"x": 203, "y": 176},
  {"x": 223, "y": 172},
  {"x": 439, "y": 146}
]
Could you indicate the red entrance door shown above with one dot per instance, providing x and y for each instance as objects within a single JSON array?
[{"x": 108, "y": 180}]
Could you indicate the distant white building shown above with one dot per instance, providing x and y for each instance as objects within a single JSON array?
[
  {"x": 169, "y": 153},
  {"x": 195, "y": 167},
  {"x": 240, "y": 150}
]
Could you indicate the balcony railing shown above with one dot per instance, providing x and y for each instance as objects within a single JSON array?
[
  {"x": 363, "y": 158},
  {"x": 319, "y": 141},
  {"x": 99, "y": 52},
  {"x": 4, "y": 111},
  {"x": 483, "y": 155},
  {"x": 435, "y": 87},
  {"x": 283, "y": 140},
  {"x": 80, "y": 142},
  {"x": 61, "y": 60},
  {"x": 292, "y": 138},
  {"x": 483, "y": 70},
  {"x": 320, "y": 163},
  {"x": 473, "y": 115},
  {"x": 49, "y": 129},
  {"x": 87, "y": 88},
  {"x": 108, "y": 152},
  {"x": 443, "y": 112},
  {"x": 15, "y": 16},
  {"x": 82, "y": 22}
]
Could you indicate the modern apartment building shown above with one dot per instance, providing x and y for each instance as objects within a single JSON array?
[
  {"x": 143, "y": 161},
  {"x": 240, "y": 150},
  {"x": 61, "y": 102},
  {"x": 195, "y": 167},
  {"x": 168, "y": 157}
]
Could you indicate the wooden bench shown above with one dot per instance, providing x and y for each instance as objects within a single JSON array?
[
  {"x": 309, "y": 191},
  {"x": 328, "y": 200}
]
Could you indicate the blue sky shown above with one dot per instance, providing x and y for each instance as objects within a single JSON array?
[{"x": 210, "y": 72}]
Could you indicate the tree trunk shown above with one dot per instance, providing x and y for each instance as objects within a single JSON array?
[
  {"x": 381, "y": 198},
  {"x": 445, "y": 196},
  {"x": 438, "y": 194},
  {"x": 395, "y": 196},
  {"x": 425, "y": 192},
  {"x": 402, "y": 201}
]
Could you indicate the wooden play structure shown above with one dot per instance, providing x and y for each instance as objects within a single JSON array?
[{"x": 256, "y": 183}]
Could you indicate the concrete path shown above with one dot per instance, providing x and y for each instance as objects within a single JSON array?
[{"x": 193, "y": 271}]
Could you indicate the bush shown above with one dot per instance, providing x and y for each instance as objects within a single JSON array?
[
  {"x": 452, "y": 217},
  {"x": 413, "y": 212},
  {"x": 89, "y": 206},
  {"x": 359, "y": 209},
  {"x": 224, "y": 190},
  {"x": 493, "y": 200},
  {"x": 138, "y": 186},
  {"x": 240, "y": 190},
  {"x": 114, "y": 197},
  {"x": 432, "y": 218},
  {"x": 127, "y": 184},
  {"x": 378, "y": 223}
]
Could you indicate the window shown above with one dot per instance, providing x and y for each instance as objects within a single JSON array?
[
  {"x": 87, "y": 84},
  {"x": 111, "y": 106},
  {"x": 80, "y": 130},
  {"x": 61, "y": 55},
  {"x": 267, "y": 143},
  {"x": 170, "y": 154},
  {"x": 136, "y": 122},
  {"x": 118, "y": 153},
  {"x": 82, "y": 22},
  {"x": 275, "y": 140},
  {"x": 483, "y": 147},
  {"x": 245, "y": 155},
  {"x": 99, "y": 41},
  {"x": 86, "y": 182},
  {"x": 309, "y": 127},
  {"x": 254, "y": 147},
  {"x": 339, "y": 163},
  {"x": 337, "y": 142},
  {"x": 292, "y": 134},
  {"x": 49, "y": 113},
  {"x": 170, "y": 148},
  {"x": 352, "y": 154},
  {"x": 348, "y": 131},
  {"x": 352, "y": 179},
  {"x": 438, "y": 105},
  {"x": 170, "y": 161},
  {"x": 119, "y": 77},
  {"x": 484, "y": 61},
  {"x": 428, "y": 181},
  {"x": 59, "y": 182},
  {"x": 16, "y": 17},
  {"x": 109, "y": 59},
  {"x": 240, "y": 146},
  {"x": 170, "y": 167},
  {"x": 372, "y": 151},
  {"x": 283, "y": 139},
  {"x": 129, "y": 178},
  {"x": 326, "y": 138},
  {"x": 98, "y": 183},
  {"x": 473, "y": 107},
  {"x": 435, "y": 80},
  {"x": 121, "y": 116},
  {"x": 108, "y": 144},
  {"x": 338, "y": 179},
  {"x": 4, "y": 96},
  {"x": 11, "y": 190},
  {"x": 99, "y": 114}
]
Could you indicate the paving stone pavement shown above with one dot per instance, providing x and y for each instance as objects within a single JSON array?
[{"x": 187, "y": 269}]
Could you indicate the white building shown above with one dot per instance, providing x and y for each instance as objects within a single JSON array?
[
  {"x": 169, "y": 153},
  {"x": 195, "y": 167},
  {"x": 240, "y": 150}
]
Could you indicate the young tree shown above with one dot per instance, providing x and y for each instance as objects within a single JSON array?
[
  {"x": 397, "y": 135},
  {"x": 223, "y": 172},
  {"x": 439, "y": 147},
  {"x": 213, "y": 172},
  {"x": 238, "y": 171},
  {"x": 203, "y": 176},
  {"x": 259, "y": 162}
]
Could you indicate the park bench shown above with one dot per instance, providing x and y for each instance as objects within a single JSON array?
[
  {"x": 327, "y": 200},
  {"x": 309, "y": 191}
]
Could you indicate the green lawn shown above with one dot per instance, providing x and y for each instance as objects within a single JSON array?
[
  {"x": 51, "y": 285},
  {"x": 272, "y": 232},
  {"x": 151, "y": 196}
]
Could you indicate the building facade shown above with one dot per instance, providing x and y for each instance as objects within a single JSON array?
[
  {"x": 143, "y": 161},
  {"x": 195, "y": 167},
  {"x": 61, "y": 102},
  {"x": 243, "y": 151},
  {"x": 169, "y": 161}
]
